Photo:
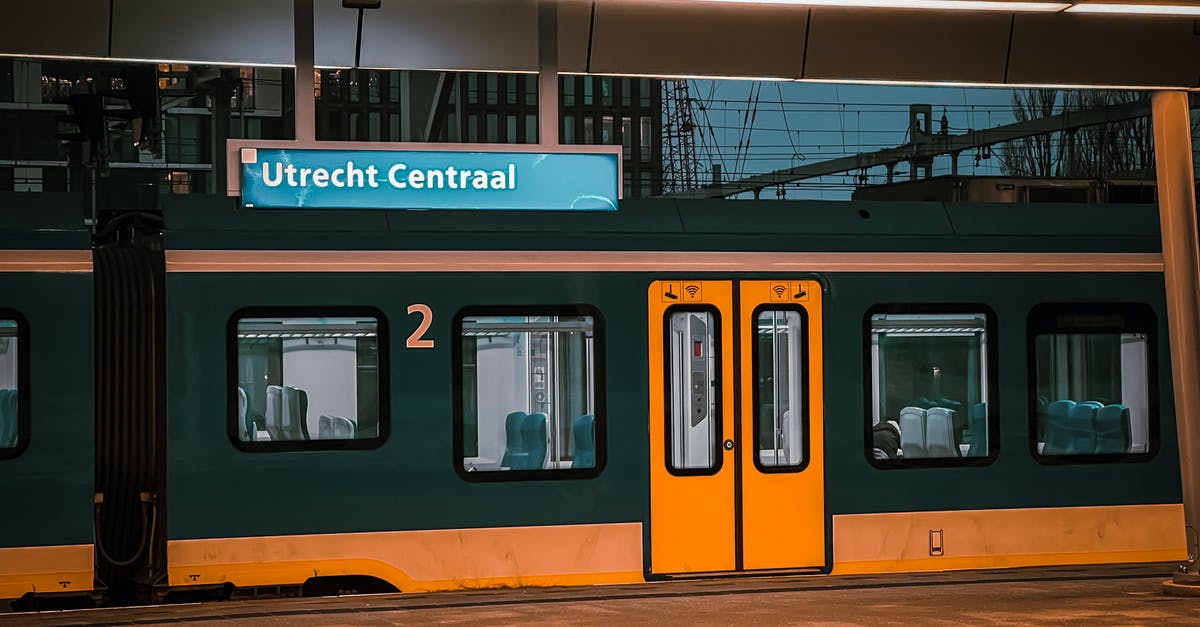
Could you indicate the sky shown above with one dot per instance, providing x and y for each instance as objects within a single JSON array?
[{"x": 801, "y": 123}]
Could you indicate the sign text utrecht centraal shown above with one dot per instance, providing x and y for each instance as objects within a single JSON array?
[{"x": 418, "y": 179}]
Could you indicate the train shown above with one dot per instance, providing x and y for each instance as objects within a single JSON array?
[{"x": 253, "y": 401}]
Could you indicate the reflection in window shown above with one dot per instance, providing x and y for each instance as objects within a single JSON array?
[
  {"x": 528, "y": 393},
  {"x": 928, "y": 381},
  {"x": 693, "y": 394},
  {"x": 779, "y": 350},
  {"x": 307, "y": 379},
  {"x": 1093, "y": 394},
  {"x": 9, "y": 365}
]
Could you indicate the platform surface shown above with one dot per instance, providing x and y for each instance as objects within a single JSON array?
[{"x": 1092, "y": 595}]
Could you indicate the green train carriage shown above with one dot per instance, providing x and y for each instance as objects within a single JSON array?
[{"x": 694, "y": 459}]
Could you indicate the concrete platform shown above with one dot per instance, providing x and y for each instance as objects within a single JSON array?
[{"x": 1094, "y": 595}]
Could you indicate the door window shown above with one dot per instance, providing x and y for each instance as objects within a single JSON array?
[
  {"x": 693, "y": 394},
  {"x": 779, "y": 373}
]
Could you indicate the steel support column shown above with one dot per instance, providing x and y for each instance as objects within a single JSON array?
[
  {"x": 1181, "y": 271},
  {"x": 548, "y": 73},
  {"x": 305, "y": 96}
]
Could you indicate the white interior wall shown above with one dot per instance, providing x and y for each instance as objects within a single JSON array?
[
  {"x": 327, "y": 369},
  {"x": 8, "y": 363},
  {"x": 1134, "y": 394},
  {"x": 498, "y": 381},
  {"x": 793, "y": 432}
]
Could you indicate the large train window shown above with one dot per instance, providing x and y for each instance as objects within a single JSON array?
[
  {"x": 14, "y": 418},
  {"x": 1093, "y": 393},
  {"x": 931, "y": 374},
  {"x": 308, "y": 379},
  {"x": 529, "y": 393},
  {"x": 780, "y": 373},
  {"x": 693, "y": 397}
]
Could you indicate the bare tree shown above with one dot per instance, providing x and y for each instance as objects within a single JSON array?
[
  {"x": 1032, "y": 156},
  {"x": 1098, "y": 151}
]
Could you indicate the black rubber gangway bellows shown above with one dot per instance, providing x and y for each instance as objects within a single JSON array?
[{"x": 130, "y": 522}]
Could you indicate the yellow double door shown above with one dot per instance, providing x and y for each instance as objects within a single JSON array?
[{"x": 736, "y": 465}]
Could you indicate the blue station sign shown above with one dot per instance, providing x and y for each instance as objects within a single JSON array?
[{"x": 419, "y": 179}]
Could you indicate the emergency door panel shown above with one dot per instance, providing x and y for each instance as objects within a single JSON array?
[
  {"x": 781, "y": 436},
  {"x": 692, "y": 463}
]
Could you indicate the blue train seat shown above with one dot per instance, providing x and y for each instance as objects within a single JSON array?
[
  {"x": 584, "y": 432},
  {"x": 939, "y": 433},
  {"x": 8, "y": 418},
  {"x": 912, "y": 432},
  {"x": 246, "y": 430},
  {"x": 1112, "y": 429},
  {"x": 533, "y": 436},
  {"x": 295, "y": 413},
  {"x": 514, "y": 450},
  {"x": 1081, "y": 427},
  {"x": 1060, "y": 408},
  {"x": 1056, "y": 430},
  {"x": 979, "y": 431},
  {"x": 336, "y": 428},
  {"x": 273, "y": 415}
]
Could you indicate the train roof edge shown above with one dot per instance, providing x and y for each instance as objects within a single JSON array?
[
  {"x": 213, "y": 222},
  {"x": 43, "y": 221}
]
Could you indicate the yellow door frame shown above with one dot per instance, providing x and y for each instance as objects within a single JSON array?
[{"x": 736, "y": 517}]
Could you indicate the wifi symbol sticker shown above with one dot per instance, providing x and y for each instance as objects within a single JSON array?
[
  {"x": 779, "y": 291},
  {"x": 692, "y": 292}
]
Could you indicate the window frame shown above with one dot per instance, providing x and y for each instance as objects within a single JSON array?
[
  {"x": 599, "y": 392},
  {"x": 308, "y": 311},
  {"x": 1138, "y": 318},
  {"x": 24, "y": 425},
  {"x": 718, "y": 402},
  {"x": 992, "y": 382},
  {"x": 805, "y": 386}
]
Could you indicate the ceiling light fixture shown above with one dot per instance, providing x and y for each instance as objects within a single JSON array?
[
  {"x": 945, "y": 5},
  {"x": 1127, "y": 8}
]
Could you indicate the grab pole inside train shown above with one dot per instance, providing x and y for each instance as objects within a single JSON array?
[{"x": 1181, "y": 273}]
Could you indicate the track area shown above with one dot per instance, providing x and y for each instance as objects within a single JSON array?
[{"x": 1098, "y": 595}]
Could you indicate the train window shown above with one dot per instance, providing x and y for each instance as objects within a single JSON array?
[
  {"x": 309, "y": 381},
  {"x": 693, "y": 399},
  {"x": 931, "y": 376},
  {"x": 780, "y": 359},
  {"x": 530, "y": 400},
  {"x": 1092, "y": 382},
  {"x": 14, "y": 422}
]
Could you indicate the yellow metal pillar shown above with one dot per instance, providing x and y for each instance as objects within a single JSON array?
[
  {"x": 548, "y": 73},
  {"x": 1181, "y": 271}
]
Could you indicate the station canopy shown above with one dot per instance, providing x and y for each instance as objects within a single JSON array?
[{"x": 991, "y": 42}]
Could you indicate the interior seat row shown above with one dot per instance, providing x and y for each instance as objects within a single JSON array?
[
  {"x": 936, "y": 432},
  {"x": 8, "y": 418},
  {"x": 1086, "y": 428},
  {"x": 526, "y": 441},
  {"x": 286, "y": 417}
]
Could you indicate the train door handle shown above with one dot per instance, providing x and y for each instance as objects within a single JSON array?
[{"x": 729, "y": 445}]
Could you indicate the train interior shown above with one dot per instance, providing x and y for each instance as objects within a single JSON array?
[
  {"x": 779, "y": 349},
  {"x": 8, "y": 384},
  {"x": 307, "y": 379},
  {"x": 694, "y": 401},
  {"x": 528, "y": 393},
  {"x": 929, "y": 376},
  {"x": 1093, "y": 395}
]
